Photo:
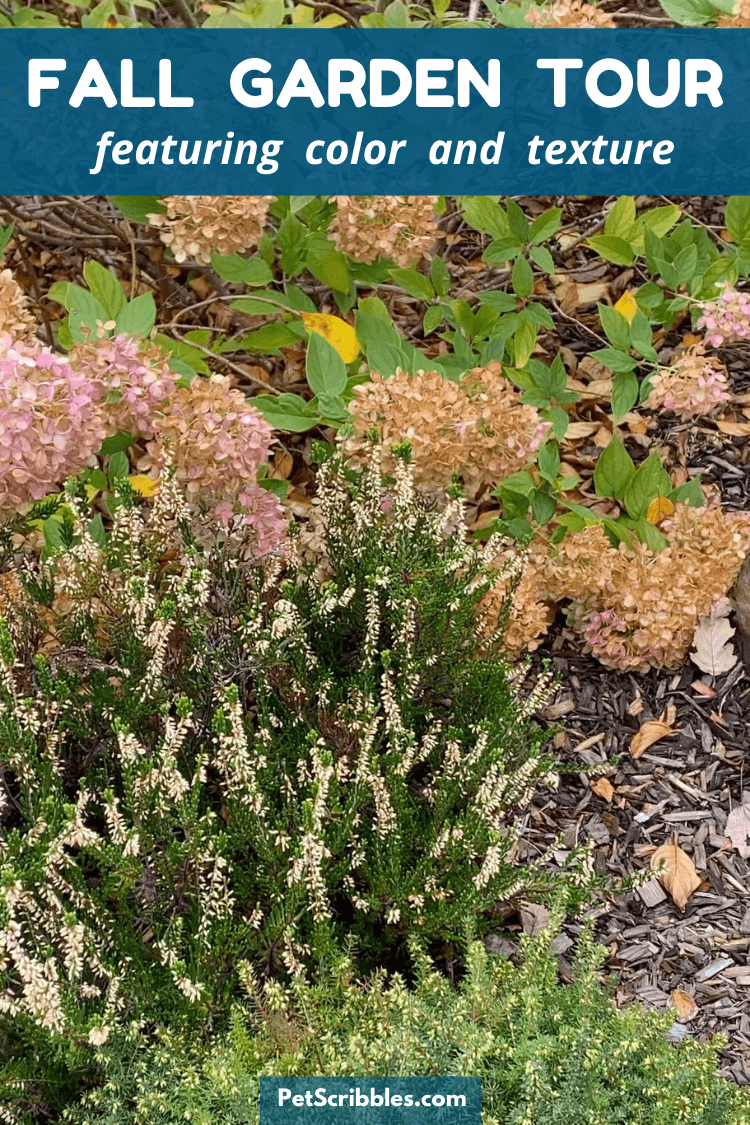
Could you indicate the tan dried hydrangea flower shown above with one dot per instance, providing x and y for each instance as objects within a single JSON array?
[
  {"x": 529, "y": 617},
  {"x": 476, "y": 427},
  {"x": 740, "y": 18},
  {"x": 401, "y": 227},
  {"x": 15, "y": 318},
  {"x": 569, "y": 13},
  {"x": 636, "y": 608},
  {"x": 197, "y": 226}
]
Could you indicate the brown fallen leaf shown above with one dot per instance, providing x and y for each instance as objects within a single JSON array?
[
  {"x": 734, "y": 429},
  {"x": 738, "y": 829},
  {"x": 534, "y": 917},
  {"x": 651, "y": 732},
  {"x": 578, "y": 430},
  {"x": 685, "y": 1004},
  {"x": 714, "y": 651},
  {"x": 603, "y": 789},
  {"x": 676, "y": 872}
]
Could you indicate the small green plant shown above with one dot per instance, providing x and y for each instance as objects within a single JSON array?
[{"x": 547, "y": 1053}]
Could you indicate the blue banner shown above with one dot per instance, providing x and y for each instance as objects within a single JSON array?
[
  {"x": 373, "y": 112},
  {"x": 370, "y": 1101}
]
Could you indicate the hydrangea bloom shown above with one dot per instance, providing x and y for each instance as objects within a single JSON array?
[
  {"x": 137, "y": 378},
  {"x": 216, "y": 441},
  {"x": 727, "y": 318},
  {"x": 196, "y": 226},
  {"x": 477, "y": 427},
  {"x": 50, "y": 421},
  {"x": 694, "y": 385},
  {"x": 401, "y": 227},
  {"x": 569, "y": 13},
  {"x": 15, "y": 318}
]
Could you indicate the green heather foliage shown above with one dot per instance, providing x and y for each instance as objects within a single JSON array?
[
  {"x": 547, "y": 1054},
  {"x": 207, "y": 760}
]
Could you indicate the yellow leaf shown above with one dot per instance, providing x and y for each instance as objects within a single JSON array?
[
  {"x": 336, "y": 331},
  {"x": 627, "y": 305},
  {"x": 676, "y": 872},
  {"x": 146, "y": 486},
  {"x": 659, "y": 509}
]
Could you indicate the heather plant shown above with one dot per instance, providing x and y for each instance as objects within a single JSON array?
[
  {"x": 547, "y": 1053},
  {"x": 207, "y": 760}
]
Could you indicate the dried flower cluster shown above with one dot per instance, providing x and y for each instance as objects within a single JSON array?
[
  {"x": 15, "y": 319},
  {"x": 693, "y": 386},
  {"x": 216, "y": 442},
  {"x": 727, "y": 318},
  {"x": 569, "y": 13},
  {"x": 136, "y": 378},
  {"x": 50, "y": 421},
  {"x": 476, "y": 427},
  {"x": 634, "y": 608},
  {"x": 401, "y": 227},
  {"x": 197, "y": 226},
  {"x": 55, "y": 412}
]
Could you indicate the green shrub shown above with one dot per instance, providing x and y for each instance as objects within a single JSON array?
[
  {"x": 207, "y": 760},
  {"x": 548, "y": 1054}
]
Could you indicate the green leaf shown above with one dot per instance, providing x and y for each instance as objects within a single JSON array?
[
  {"x": 269, "y": 338},
  {"x": 6, "y": 233},
  {"x": 484, "y": 214},
  {"x": 560, "y": 421},
  {"x": 620, "y": 220},
  {"x": 517, "y": 221},
  {"x": 326, "y": 370},
  {"x": 327, "y": 264},
  {"x": 614, "y": 470},
  {"x": 548, "y": 460},
  {"x": 737, "y": 217},
  {"x": 498, "y": 300},
  {"x": 615, "y": 360},
  {"x": 522, "y": 277},
  {"x": 105, "y": 287},
  {"x": 184, "y": 352},
  {"x": 138, "y": 317},
  {"x": 292, "y": 239},
  {"x": 612, "y": 249},
  {"x": 96, "y": 530},
  {"x": 616, "y": 327},
  {"x": 546, "y": 225},
  {"x": 660, "y": 220},
  {"x": 433, "y": 317},
  {"x": 624, "y": 394},
  {"x": 650, "y": 535},
  {"x": 298, "y": 202},
  {"x": 246, "y": 271},
  {"x": 118, "y": 467},
  {"x": 685, "y": 263},
  {"x": 286, "y": 412},
  {"x": 649, "y": 296},
  {"x": 524, "y": 342},
  {"x": 502, "y": 250},
  {"x": 116, "y": 444},
  {"x": 543, "y": 506},
  {"x": 137, "y": 208},
  {"x": 649, "y": 481},
  {"x": 543, "y": 258},
  {"x": 689, "y": 493},
  {"x": 440, "y": 276},
  {"x": 414, "y": 283}
]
